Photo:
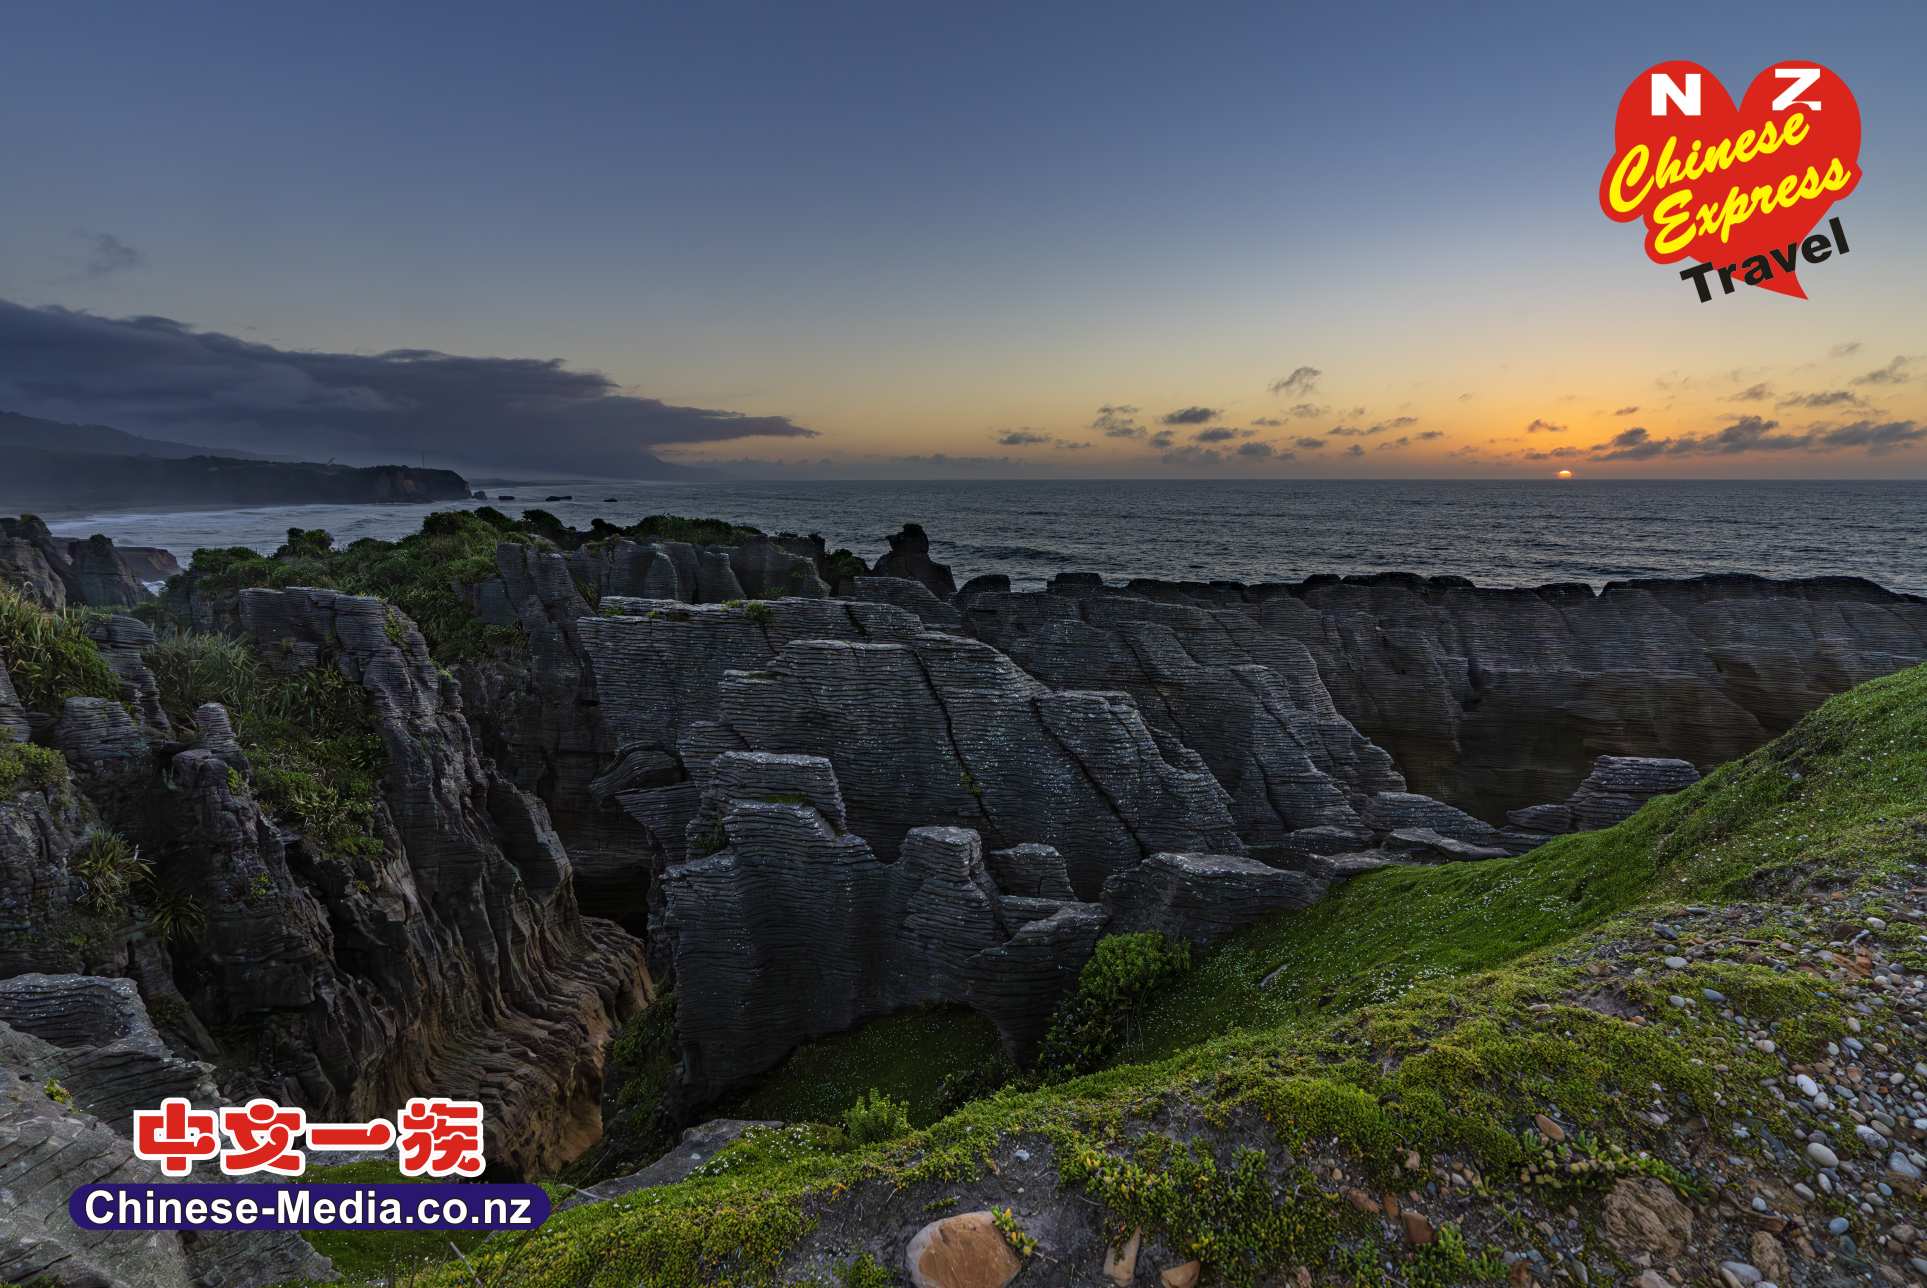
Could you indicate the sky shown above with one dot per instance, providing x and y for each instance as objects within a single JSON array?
[{"x": 896, "y": 240}]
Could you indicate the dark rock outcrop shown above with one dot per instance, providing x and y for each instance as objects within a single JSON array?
[
  {"x": 1612, "y": 793},
  {"x": 910, "y": 557},
  {"x": 1203, "y": 897},
  {"x": 54, "y": 573}
]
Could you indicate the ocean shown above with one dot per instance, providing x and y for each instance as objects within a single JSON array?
[{"x": 1498, "y": 533}]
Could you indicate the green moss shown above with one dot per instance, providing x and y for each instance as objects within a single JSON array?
[
  {"x": 49, "y": 657},
  {"x": 906, "y": 1057}
]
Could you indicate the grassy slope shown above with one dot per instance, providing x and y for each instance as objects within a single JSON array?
[{"x": 1425, "y": 1009}]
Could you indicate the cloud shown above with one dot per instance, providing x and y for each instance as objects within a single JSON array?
[
  {"x": 1845, "y": 349},
  {"x": 156, "y": 375},
  {"x": 1627, "y": 411},
  {"x": 1354, "y": 450},
  {"x": 1191, "y": 416},
  {"x": 1891, "y": 374},
  {"x": 1467, "y": 397},
  {"x": 1219, "y": 434},
  {"x": 1024, "y": 438},
  {"x": 1540, "y": 426},
  {"x": 1307, "y": 411},
  {"x": 1191, "y": 454},
  {"x": 1752, "y": 393},
  {"x": 1269, "y": 422},
  {"x": 1117, "y": 420},
  {"x": 1755, "y": 434},
  {"x": 1354, "y": 431},
  {"x": 1555, "y": 454},
  {"x": 1877, "y": 439},
  {"x": 1064, "y": 446},
  {"x": 1163, "y": 438},
  {"x": 1264, "y": 452},
  {"x": 1301, "y": 381},
  {"x": 1393, "y": 444},
  {"x": 1310, "y": 444},
  {"x": 108, "y": 254},
  {"x": 1827, "y": 398},
  {"x": 1430, "y": 434}
]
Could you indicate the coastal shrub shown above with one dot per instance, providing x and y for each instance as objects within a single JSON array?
[
  {"x": 1124, "y": 972},
  {"x": 108, "y": 866},
  {"x": 27, "y": 767},
  {"x": 310, "y": 737},
  {"x": 875, "y": 1118},
  {"x": 49, "y": 657},
  {"x": 173, "y": 914}
]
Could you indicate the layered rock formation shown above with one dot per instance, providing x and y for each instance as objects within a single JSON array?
[
  {"x": 1491, "y": 699},
  {"x": 76, "y": 1055},
  {"x": 1614, "y": 791},
  {"x": 55, "y": 573},
  {"x": 763, "y": 922}
]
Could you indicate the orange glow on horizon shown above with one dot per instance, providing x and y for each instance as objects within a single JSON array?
[{"x": 1563, "y": 474}]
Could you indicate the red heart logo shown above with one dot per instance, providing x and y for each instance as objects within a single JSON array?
[{"x": 1726, "y": 185}]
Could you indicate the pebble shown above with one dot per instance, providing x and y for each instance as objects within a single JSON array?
[
  {"x": 1822, "y": 1156},
  {"x": 1901, "y": 1165},
  {"x": 1675, "y": 963},
  {"x": 1839, "y": 1225},
  {"x": 1808, "y": 1087}
]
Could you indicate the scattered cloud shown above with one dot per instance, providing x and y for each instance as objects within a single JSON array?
[
  {"x": 1827, "y": 398},
  {"x": 1163, "y": 438},
  {"x": 1268, "y": 422},
  {"x": 108, "y": 254},
  {"x": 1301, "y": 381},
  {"x": 1752, "y": 393},
  {"x": 1627, "y": 410},
  {"x": 1354, "y": 450},
  {"x": 1845, "y": 349},
  {"x": 1309, "y": 444},
  {"x": 1024, "y": 438},
  {"x": 1191, "y": 454},
  {"x": 1542, "y": 426},
  {"x": 1891, "y": 374},
  {"x": 1216, "y": 434},
  {"x": 1190, "y": 416},
  {"x": 1264, "y": 452},
  {"x": 1428, "y": 435},
  {"x": 1307, "y": 411},
  {"x": 1118, "y": 420},
  {"x": 1755, "y": 434}
]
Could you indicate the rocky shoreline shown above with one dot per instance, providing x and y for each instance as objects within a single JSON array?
[{"x": 797, "y": 790}]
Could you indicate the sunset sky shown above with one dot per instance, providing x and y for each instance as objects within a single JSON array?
[{"x": 908, "y": 239}]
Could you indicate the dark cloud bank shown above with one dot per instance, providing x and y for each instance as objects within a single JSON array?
[{"x": 153, "y": 375}]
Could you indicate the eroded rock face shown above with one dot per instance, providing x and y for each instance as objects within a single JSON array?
[
  {"x": 786, "y": 927},
  {"x": 1492, "y": 698},
  {"x": 938, "y": 730},
  {"x": 1249, "y": 702},
  {"x": 13, "y": 717},
  {"x": 63, "y": 1121},
  {"x": 459, "y": 963}
]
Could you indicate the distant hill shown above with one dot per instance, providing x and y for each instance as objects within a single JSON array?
[
  {"x": 46, "y": 466},
  {"x": 98, "y": 440}
]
